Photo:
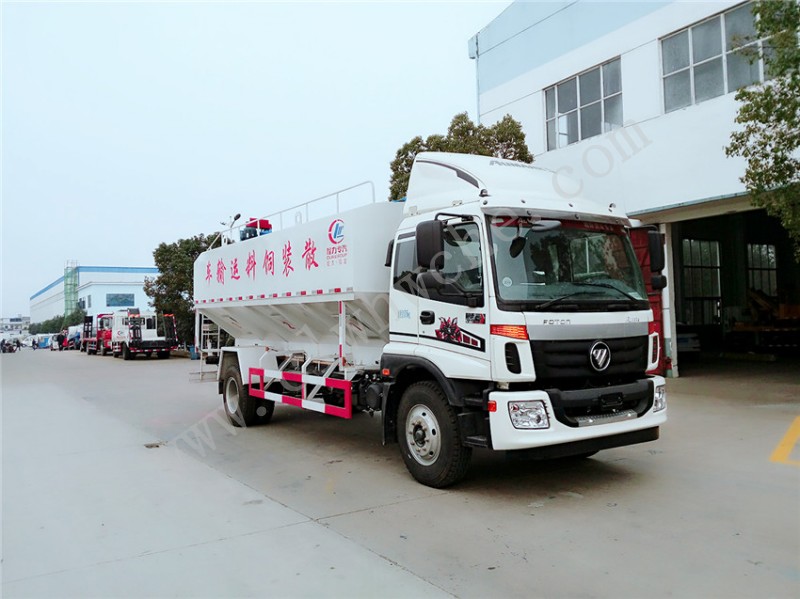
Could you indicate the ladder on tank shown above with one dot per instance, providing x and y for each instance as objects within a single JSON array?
[{"x": 207, "y": 336}]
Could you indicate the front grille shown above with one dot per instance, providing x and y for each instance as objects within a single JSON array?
[{"x": 569, "y": 360}]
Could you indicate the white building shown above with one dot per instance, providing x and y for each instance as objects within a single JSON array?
[
  {"x": 96, "y": 289},
  {"x": 15, "y": 325},
  {"x": 635, "y": 100}
]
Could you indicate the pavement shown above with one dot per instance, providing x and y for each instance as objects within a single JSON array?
[
  {"x": 89, "y": 510},
  {"x": 120, "y": 479}
]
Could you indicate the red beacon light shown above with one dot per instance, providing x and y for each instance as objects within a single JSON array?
[{"x": 255, "y": 227}]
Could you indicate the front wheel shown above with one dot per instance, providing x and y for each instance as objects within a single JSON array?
[
  {"x": 126, "y": 352},
  {"x": 429, "y": 437}
]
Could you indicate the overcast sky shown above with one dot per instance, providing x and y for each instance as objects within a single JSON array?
[{"x": 125, "y": 125}]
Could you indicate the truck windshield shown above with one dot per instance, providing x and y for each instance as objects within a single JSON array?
[{"x": 564, "y": 264}]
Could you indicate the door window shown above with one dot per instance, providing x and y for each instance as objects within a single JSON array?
[{"x": 463, "y": 264}]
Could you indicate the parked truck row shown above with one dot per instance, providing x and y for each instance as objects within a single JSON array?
[
  {"x": 129, "y": 333},
  {"x": 485, "y": 311}
]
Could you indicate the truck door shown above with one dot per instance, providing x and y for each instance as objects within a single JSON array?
[
  {"x": 403, "y": 300},
  {"x": 452, "y": 319}
]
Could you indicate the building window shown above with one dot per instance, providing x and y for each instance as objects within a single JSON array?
[
  {"x": 117, "y": 300},
  {"x": 583, "y": 106},
  {"x": 762, "y": 269},
  {"x": 701, "y": 287},
  {"x": 88, "y": 301},
  {"x": 706, "y": 60}
]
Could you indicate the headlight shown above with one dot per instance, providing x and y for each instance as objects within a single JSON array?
[
  {"x": 528, "y": 414},
  {"x": 660, "y": 398}
]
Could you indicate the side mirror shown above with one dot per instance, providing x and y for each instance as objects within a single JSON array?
[
  {"x": 658, "y": 282},
  {"x": 655, "y": 246},
  {"x": 430, "y": 244},
  {"x": 389, "y": 252}
]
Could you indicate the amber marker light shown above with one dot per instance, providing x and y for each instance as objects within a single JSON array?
[{"x": 514, "y": 331}]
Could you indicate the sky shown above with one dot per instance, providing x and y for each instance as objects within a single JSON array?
[{"x": 129, "y": 124}]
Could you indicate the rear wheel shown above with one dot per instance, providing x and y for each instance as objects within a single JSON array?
[
  {"x": 163, "y": 355},
  {"x": 429, "y": 436},
  {"x": 241, "y": 408}
]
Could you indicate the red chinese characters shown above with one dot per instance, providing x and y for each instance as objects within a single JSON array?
[
  {"x": 287, "y": 259},
  {"x": 309, "y": 255},
  {"x": 250, "y": 269},
  {"x": 269, "y": 263}
]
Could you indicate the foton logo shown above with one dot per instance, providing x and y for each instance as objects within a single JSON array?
[{"x": 336, "y": 231}]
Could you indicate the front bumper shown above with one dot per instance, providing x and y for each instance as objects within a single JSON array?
[{"x": 505, "y": 437}]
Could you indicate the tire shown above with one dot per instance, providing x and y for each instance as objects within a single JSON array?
[
  {"x": 429, "y": 437},
  {"x": 126, "y": 353},
  {"x": 163, "y": 355},
  {"x": 241, "y": 408},
  {"x": 104, "y": 351}
]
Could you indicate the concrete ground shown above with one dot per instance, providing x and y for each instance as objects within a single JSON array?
[{"x": 121, "y": 479}]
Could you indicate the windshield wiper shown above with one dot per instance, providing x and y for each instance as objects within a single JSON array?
[
  {"x": 556, "y": 300},
  {"x": 608, "y": 286}
]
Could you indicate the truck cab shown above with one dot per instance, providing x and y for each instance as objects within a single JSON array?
[
  {"x": 527, "y": 312},
  {"x": 135, "y": 332},
  {"x": 97, "y": 334}
]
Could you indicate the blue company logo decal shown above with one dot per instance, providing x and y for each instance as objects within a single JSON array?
[{"x": 336, "y": 231}]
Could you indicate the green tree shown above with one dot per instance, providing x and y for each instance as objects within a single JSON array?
[
  {"x": 57, "y": 323},
  {"x": 173, "y": 288},
  {"x": 769, "y": 139},
  {"x": 504, "y": 139},
  {"x": 75, "y": 317}
]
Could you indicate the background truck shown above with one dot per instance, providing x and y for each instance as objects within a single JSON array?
[
  {"x": 503, "y": 316},
  {"x": 97, "y": 334},
  {"x": 135, "y": 332}
]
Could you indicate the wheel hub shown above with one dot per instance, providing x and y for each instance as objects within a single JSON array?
[
  {"x": 232, "y": 396},
  {"x": 422, "y": 429}
]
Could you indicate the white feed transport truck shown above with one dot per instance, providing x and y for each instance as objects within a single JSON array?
[{"x": 487, "y": 310}]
